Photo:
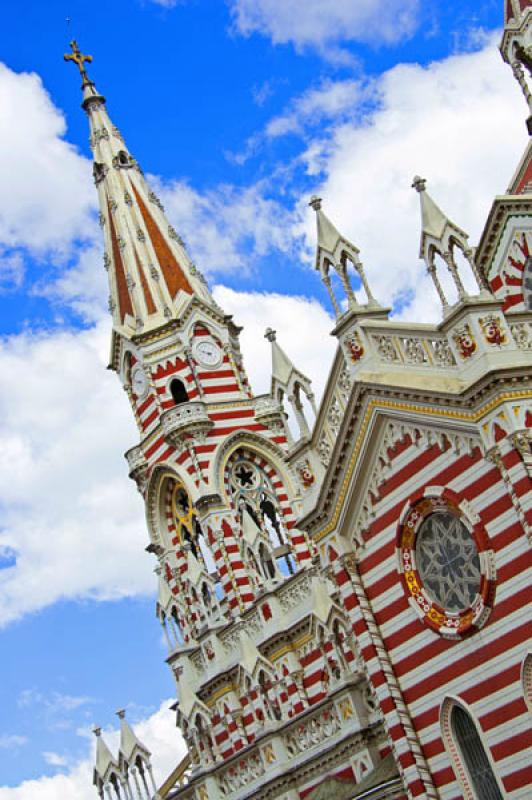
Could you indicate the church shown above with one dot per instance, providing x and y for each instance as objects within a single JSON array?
[{"x": 345, "y": 589}]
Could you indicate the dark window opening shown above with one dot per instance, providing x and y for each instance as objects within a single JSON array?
[
  {"x": 123, "y": 158},
  {"x": 474, "y": 755},
  {"x": 178, "y": 391}
]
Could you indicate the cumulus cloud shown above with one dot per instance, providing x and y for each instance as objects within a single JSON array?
[
  {"x": 157, "y": 732},
  {"x": 64, "y": 493},
  {"x": 227, "y": 228},
  {"x": 70, "y": 517},
  {"x": 46, "y": 195},
  {"x": 325, "y": 25},
  {"x": 459, "y": 123}
]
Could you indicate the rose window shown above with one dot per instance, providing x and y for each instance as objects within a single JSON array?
[
  {"x": 446, "y": 564},
  {"x": 448, "y": 561}
]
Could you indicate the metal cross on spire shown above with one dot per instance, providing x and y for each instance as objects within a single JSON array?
[{"x": 79, "y": 59}]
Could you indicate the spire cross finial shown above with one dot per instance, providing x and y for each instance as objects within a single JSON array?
[{"x": 79, "y": 59}]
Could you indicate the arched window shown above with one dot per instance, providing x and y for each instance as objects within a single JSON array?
[
  {"x": 470, "y": 759},
  {"x": 254, "y": 485},
  {"x": 178, "y": 392}
]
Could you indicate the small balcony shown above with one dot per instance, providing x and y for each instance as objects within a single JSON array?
[{"x": 184, "y": 420}]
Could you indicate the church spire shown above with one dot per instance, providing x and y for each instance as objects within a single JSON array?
[
  {"x": 335, "y": 252},
  {"x": 440, "y": 236},
  {"x": 151, "y": 275}
]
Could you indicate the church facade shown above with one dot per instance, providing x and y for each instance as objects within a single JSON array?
[{"x": 347, "y": 606}]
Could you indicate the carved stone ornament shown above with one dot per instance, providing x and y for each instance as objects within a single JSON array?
[
  {"x": 324, "y": 450},
  {"x": 305, "y": 473},
  {"x": 522, "y": 333},
  {"x": 465, "y": 341},
  {"x": 334, "y": 416},
  {"x": 152, "y": 197},
  {"x": 354, "y": 346},
  {"x": 312, "y": 731},
  {"x": 386, "y": 348},
  {"x": 492, "y": 330},
  {"x": 443, "y": 355}
]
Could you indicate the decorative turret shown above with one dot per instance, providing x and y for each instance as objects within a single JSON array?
[
  {"x": 106, "y": 774},
  {"x": 128, "y": 776},
  {"x": 335, "y": 252},
  {"x": 288, "y": 380},
  {"x": 440, "y": 236},
  {"x": 516, "y": 46},
  {"x": 151, "y": 276}
]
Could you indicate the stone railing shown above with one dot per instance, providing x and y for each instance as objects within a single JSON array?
[
  {"x": 312, "y": 731},
  {"x": 188, "y": 418},
  {"x": 419, "y": 350}
]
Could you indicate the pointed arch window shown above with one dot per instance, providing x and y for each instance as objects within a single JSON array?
[
  {"x": 252, "y": 485},
  {"x": 178, "y": 392},
  {"x": 468, "y": 752}
]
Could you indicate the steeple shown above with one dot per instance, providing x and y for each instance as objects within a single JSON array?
[
  {"x": 151, "y": 276},
  {"x": 288, "y": 380},
  {"x": 336, "y": 252},
  {"x": 440, "y": 236},
  {"x": 516, "y": 46},
  {"x": 106, "y": 767}
]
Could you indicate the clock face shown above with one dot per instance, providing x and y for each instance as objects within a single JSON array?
[
  {"x": 139, "y": 382},
  {"x": 208, "y": 353}
]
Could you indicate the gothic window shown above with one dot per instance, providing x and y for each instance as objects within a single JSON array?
[
  {"x": 480, "y": 775},
  {"x": 251, "y": 487},
  {"x": 178, "y": 392},
  {"x": 448, "y": 560},
  {"x": 440, "y": 541}
]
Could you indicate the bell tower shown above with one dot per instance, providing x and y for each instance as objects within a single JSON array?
[{"x": 255, "y": 642}]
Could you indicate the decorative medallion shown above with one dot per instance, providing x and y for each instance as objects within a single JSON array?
[
  {"x": 445, "y": 562},
  {"x": 465, "y": 341},
  {"x": 306, "y": 474},
  {"x": 492, "y": 330},
  {"x": 355, "y": 348}
]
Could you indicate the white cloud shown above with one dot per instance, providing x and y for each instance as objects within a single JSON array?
[
  {"x": 326, "y": 24},
  {"x": 68, "y": 509},
  {"x": 54, "y": 703},
  {"x": 46, "y": 192},
  {"x": 303, "y": 327},
  {"x": 54, "y": 759},
  {"x": 460, "y": 124},
  {"x": 157, "y": 732},
  {"x": 69, "y": 512},
  {"x": 227, "y": 228}
]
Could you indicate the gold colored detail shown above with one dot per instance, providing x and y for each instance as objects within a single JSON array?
[
  {"x": 269, "y": 755},
  {"x": 472, "y": 416},
  {"x": 79, "y": 60},
  {"x": 346, "y": 710}
]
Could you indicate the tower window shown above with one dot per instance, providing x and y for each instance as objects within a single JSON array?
[
  {"x": 178, "y": 392},
  {"x": 474, "y": 755},
  {"x": 123, "y": 158}
]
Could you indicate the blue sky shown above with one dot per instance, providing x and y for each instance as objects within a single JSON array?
[{"x": 239, "y": 111}]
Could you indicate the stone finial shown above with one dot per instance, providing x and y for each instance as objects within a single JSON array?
[
  {"x": 97, "y": 731},
  {"x": 270, "y": 335},
  {"x": 419, "y": 184},
  {"x": 315, "y": 202},
  {"x": 121, "y": 713}
]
